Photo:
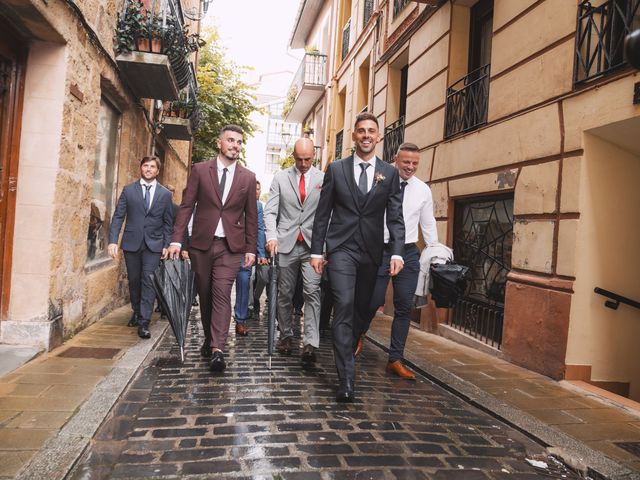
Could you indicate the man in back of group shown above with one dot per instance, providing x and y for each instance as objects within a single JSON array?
[
  {"x": 146, "y": 206},
  {"x": 417, "y": 210},
  {"x": 289, "y": 214}
]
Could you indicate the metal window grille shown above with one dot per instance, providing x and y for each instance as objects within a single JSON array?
[
  {"x": 346, "y": 31},
  {"x": 368, "y": 11},
  {"x": 393, "y": 138},
  {"x": 483, "y": 241},
  {"x": 600, "y": 34},
  {"x": 467, "y": 102},
  {"x": 398, "y": 6},
  {"x": 338, "y": 152}
]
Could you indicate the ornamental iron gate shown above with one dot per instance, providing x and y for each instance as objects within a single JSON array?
[{"x": 483, "y": 238}]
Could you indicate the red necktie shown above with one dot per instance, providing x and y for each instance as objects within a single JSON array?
[{"x": 303, "y": 194}]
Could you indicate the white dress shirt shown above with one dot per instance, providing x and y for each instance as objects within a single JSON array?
[
  {"x": 357, "y": 170},
  {"x": 231, "y": 169},
  {"x": 417, "y": 209},
  {"x": 152, "y": 190}
]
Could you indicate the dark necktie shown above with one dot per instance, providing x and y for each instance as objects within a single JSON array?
[
  {"x": 147, "y": 198},
  {"x": 303, "y": 194},
  {"x": 222, "y": 182},
  {"x": 403, "y": 185},
  {"x": 362, "y": 181}
]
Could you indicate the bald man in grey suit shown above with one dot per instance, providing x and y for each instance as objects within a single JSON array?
[{"x": 288, "y": 218}]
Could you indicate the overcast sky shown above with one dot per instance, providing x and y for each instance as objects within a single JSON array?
[{"x": 256, "y": 33}]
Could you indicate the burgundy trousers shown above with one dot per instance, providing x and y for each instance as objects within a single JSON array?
[{"x": 215, "y": 271}]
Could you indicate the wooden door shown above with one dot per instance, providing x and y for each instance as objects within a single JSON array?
[{"x": 12, "y": 67}]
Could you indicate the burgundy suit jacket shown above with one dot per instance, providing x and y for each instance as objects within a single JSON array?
[{"x": 239, "y": 213}]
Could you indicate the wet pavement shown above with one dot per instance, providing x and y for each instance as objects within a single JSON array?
[{"x": 178, "y": 420}]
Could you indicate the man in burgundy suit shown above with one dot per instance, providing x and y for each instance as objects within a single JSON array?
[{"x": 225, "y": 230}]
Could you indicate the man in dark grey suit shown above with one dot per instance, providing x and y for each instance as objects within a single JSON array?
[
  {"x": 146, "y": 205},
  {"x": 356, "y": 193}
]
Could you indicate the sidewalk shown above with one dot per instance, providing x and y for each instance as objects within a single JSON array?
[
  {"x": 51, "y": 406},
  {"x": 584, "y": 428}
]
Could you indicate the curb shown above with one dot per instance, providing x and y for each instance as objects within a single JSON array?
[
  {"x": 571, "y": 451},
  {"x": 60, "y": 453}
]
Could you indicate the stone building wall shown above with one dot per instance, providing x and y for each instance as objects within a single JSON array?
[{"x": 66, "y": 295}]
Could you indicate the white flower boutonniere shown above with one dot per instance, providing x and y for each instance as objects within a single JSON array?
[{"x": 378, "y": 178}]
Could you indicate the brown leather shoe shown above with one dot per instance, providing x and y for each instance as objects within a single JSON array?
[
  {"x": 359, "y": 346},
  {"x": 242, "y": 330},
  {"x": 284, "y": 346},
  {"x": 400, "y": 370}
]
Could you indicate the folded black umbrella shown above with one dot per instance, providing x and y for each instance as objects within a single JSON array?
[
  {"x": 272, "y": 293},
  {"x": 173, "y": 283}
]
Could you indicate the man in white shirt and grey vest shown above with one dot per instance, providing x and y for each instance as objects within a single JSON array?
[{"x": 417, "y": 210}]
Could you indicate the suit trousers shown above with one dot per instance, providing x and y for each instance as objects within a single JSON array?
[
  {"x": 404, "y": 288},
  {"x": 215, "y": 270},
  {"x": 243, "y": 285},
  {"x": 352, "y": 275},
  {"x": 140, "y": 266},
  {"x": 289, "y": 266}
]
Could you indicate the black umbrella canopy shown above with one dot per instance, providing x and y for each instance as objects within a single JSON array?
[{"x": 173, "y": 283}]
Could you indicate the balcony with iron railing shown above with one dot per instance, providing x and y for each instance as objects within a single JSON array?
[
  {"x": 368, "y": 11},
  {"x": 600, "y": 34},
  {"x": 153, "y": 46},
  {"x": 346, "y": 32},
  {"x": 307, "y": 87},
  {"x": 180, "y": 119},
  {"x": 467, "y": 102},
  {"x": 393, "y": 138}
]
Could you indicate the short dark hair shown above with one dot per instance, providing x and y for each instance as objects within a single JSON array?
[
  {"x": 150, "y": 158},
  {"x": 258, "y": 182},
  {"x": 232, "y": 128},
  {"x": 366, "y": 116},
  {"x": 407, "y": 147}
]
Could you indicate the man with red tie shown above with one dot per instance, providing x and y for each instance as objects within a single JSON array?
[
  {"x": 288, "y": 218},
  {"x": 225, "y": 231}
]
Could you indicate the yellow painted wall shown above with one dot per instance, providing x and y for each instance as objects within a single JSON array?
[{"x": 607, "y": 256}]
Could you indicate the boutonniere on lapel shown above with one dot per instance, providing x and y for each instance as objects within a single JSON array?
[
  {"x": 318, "y": 187},
  {"x": 378, "y": 178}
]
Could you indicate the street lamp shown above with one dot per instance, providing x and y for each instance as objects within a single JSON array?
[{"x": 286, "y": 138}]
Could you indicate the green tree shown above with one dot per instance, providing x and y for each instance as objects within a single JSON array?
[{"x": 222, "y": 97}]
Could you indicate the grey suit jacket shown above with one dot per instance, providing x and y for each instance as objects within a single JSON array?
[{"x": 285, "y": 215}]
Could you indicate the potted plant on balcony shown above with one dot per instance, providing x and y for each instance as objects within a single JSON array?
[{"x": 131, "y": 25}]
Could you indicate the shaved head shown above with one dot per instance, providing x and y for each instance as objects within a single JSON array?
[{"x": 303, "y": 153}]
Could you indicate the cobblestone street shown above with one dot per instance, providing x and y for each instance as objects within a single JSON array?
[{"x": 179, "y": 420}]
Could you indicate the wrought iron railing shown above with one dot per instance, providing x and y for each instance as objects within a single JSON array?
[
  {"x": 346, "y": 31},
  {"x": 368, "y": 11},
  {"x": 398, "y": 6},
  {"x": 393, "y": 138},
  {"x": 600, "y": 34},
  {"x": 312, "y": 71},
  {"x": 338, "y": 151},
  {"x": 467, "y": 101},
  {"x": 483, "y": 239}
]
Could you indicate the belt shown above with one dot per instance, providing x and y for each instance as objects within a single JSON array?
[
  {"x": 406, "y": 245},
  {"x": 216, "y": 237}
]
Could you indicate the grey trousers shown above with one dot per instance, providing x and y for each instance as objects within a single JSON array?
[{"x": 288, "y": 266}]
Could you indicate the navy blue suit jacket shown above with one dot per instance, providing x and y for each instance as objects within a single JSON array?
[{"x": 153, "y": 227}]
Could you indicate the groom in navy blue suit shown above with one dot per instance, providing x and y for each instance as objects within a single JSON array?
[{"x": 147, "y": 207}]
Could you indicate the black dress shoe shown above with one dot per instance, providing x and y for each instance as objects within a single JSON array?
[
  {"x": 345, "y": 392},
  {"x": 205, "y": 350},
  {"x": 133, "y": 321},
  {"x": 308, "y": 354},
  {"x": 143, "y": 331},
  {"x": 217, "y": 362}
]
